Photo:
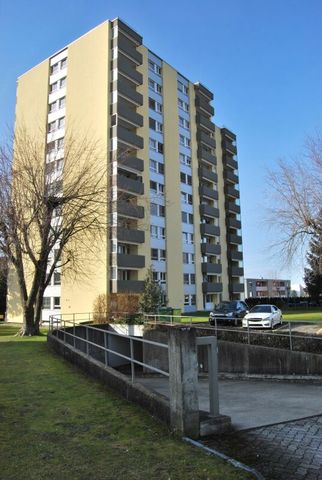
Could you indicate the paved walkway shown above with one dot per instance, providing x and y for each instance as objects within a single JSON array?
[{"x": 287, "y": 451}]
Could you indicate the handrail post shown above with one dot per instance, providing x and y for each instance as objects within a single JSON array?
[
  {"x": 290, "y": 332},
  {"x": 248, "y": 332},
  {"x": 64, "y": 332},
  {"x": 105, "y": 346},
  {"x": 74, "y": 333},
  {"x": 86, "y": 335},
  {"x": 132, "y": 358}
]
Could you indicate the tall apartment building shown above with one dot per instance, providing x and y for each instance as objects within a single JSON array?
[
  {"x": 264, "y": 287},
  {"x": 174, "y": 174}
]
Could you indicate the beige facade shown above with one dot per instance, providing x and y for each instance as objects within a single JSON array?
[{"x": 172, "y": 186}]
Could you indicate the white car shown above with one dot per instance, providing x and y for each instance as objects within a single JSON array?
[{"x": 263, "y": 316}]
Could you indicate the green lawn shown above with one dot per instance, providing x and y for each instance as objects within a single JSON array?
[{"x": 57, "y": 423}]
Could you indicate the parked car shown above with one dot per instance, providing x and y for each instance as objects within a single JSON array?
[
  {"x": 263, "y": 316},
  {"x": 231, "y": 312}
]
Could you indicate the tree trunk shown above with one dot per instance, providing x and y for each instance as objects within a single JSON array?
[{"x": 29, "y": 328}]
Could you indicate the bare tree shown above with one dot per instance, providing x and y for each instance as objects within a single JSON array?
[
  {"x": 296, "y": 199},
  {"x": 53, "y": 208}
]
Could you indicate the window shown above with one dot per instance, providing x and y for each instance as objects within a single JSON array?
[
  {"x": 186, "y": 198},
  {"x": 185, "y": 159},
  {"x": 154, "y": 105},
  {"x": 156, "y": 146},
  {"x": 63, "y": 63},
  {"x": 184, "y": 123},
  {"x": 189, "y": 300},
  {"x": 183, "y": 88},
  {"x": 52, "y": 107},
  {"x": 61, "y": 122},
  {"x": 56, "y": 302},
  {"x": 183, "y": 105},
  {"x": 61, "y": 102},
  {"x": 187, "y": 237},
  {"x": 154, "y": 67},
  {"x": 155, "y": 125},
  {"x": 188, "y": 258},
  {"x": 46, "y": 303},
  {"x": 60, "y": 143},
  {"x": 52, "y": 126},
  {"x": 184, "y": 141},
  {"x": 156, "y": 167},
  {"x": 62, "y": 82},
  {"x": 185, "y": 178},
  {"x": 154, "y": 254},
  {"x": 157, "y": 232},
  {"x": 158, "y": 210},
  {"x": 156, "y": 87},
  {"x": 54, "y": 68},
  {"x": 156, "y": 188},
  {"x": 187, "y": 217},
  {"x": 189, "y": 278},
  {"x": 53, "y": 87},
  {"x": 158, "y": 254},
  {"x": 57, "y": 278}
]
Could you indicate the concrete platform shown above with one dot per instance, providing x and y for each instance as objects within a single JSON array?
[{"x": 255, "y": 403}]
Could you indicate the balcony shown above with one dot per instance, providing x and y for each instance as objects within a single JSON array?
[
  {"x": 203, "y": 155},
  {"x": 126, "y": 46},
  {"x": 204, "y": 105},
  {"x": 130, "y": 286},
  {"x": 128, "y": 69},
  {"x": 204, "y": 122},
  {"x": 232, "y": 207},
  {"x": 127, "y": 92},
  {"x": 228, "y": 134},
  {"x": 200, "y": 88},
  {"x": 232, "y": 192},
  {"x": 130, "y": 261},
  {"x": 228, "y": 146},
  {"x": 237, "y": 272},
  {"x": 237, "y": 287},
  {"x": 233, "y": 223},
  {"x": 209, "y": 211},
  {"x": 123, "y": 111},
  {"x": 211, "y": 230},
  {"x": 127, "y": 209},
  {"x": 209, "y": 287},
  {"x": 208, "y": 192},
  {"x": 208, "y": 174},
  {"x": 128, "y": 235},
  {"x": 231, "y": 177},
  {"x": 230, "y": 162},
  {"x": 127, "y": 137},
  {"x": 131, "y": 162},
  {"x": 127, "y": 184},
  {"x": 235, "y": 255},
  {"x": 123, "y": 27},
  {"x": 206, "y": 139},
  {"x": 211, "y": 268},
  {"x": 210, "y": 249},
  {"x": 235, "y": 239}
]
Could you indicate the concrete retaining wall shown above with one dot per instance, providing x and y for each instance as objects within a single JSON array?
[{"x": 155, "y": 404}]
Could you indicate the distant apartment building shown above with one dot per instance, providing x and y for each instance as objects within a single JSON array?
[
  {"x": 176, "y": 201},
  {"x": 260, "y": 287}
]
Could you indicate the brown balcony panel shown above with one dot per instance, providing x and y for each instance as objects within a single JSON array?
[
  {"x": 123, "y": 27},
  {"x": 237, "y": 287},
  {"x": 128, "y": 235},
  {"x": 127, "y": 137},
  {"x": 208, "y": 192},
  {"x": 130, "y": 185},
  {"x": 233, "y": 223},
  {"x": 127, "y": 209},
  {"x": 208, "y": 174},
  {"x": 211, "y": 230},
  {"x": 208, "y": 287},
  {"x": 121, "y": 109},
  {"x": 232, "y": 192},
  {"x": 228, "y": 146},
  {"x": 130, "y": 261},
  {"x": 204, "y": 122},
  {"x": 230, "y": 162},
  {"x": 203, "y": 155},
  {"x": 128, "y": 47},
  {"x": 232, "y": 207},
  {"x": 199, "y": 87},
  {"x": 130, "y": 286},
  {"x": 134, "y": 163},
  {"x": 236, "y": 239},
  {"x": 210, "y": 249},
  {"x": 237, "y": 272},
  {"x": 127, "y": 68},
  {"x": 209, "y": 211},
  {"x": 209, "y": 268},
  {"x": 127, "y": 92},
  {"x": 203, "y": 104},
  {"x": 231, "y": 177},
  {"x": 206, "y": 139},
  {"x": 234, "y": 255}
]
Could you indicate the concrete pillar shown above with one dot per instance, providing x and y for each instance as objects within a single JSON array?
[{"x": 183, "y": 381}]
